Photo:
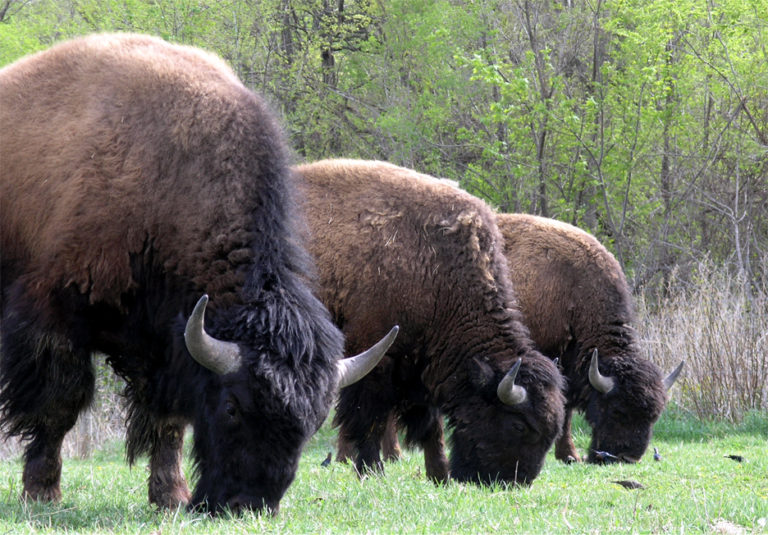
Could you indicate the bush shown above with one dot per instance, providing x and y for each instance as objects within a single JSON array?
[{"x": 718, "y": 324}]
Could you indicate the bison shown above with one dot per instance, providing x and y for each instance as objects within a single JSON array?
[
  {"x": 578, "y": 308},
  {"x": 393, "y": 245},
  {"x": 137, "y": 175},
  {"x": 576, "y": 302}
]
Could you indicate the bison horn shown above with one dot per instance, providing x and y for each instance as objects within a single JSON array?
[
  {"x": 509, "y": 393},
  {"x": 601, "y": 383},
  {"x": 352, "y": 369},
  {"x": 670, "y": 379},
  {"x": 216, "y": 355}
]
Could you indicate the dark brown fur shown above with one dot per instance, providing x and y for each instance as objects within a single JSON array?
[
  {"x": 137, "y": 175},
  {"x": 395, "y": 246}
]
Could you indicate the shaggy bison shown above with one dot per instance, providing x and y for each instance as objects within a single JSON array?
[
  {"x": 137, "y": 175},
  {"x": 578, "y": 307},
  {"x": 393, "y": 245}
]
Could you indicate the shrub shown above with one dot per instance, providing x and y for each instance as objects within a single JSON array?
[{"x": 718, "y": 324}]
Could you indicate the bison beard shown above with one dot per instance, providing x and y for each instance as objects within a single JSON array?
[
  {"x": 136, "y": 176},
  {"x": 406, "y": 248}
]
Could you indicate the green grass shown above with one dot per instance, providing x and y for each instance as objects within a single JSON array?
[{"x": 694, "y": 489}]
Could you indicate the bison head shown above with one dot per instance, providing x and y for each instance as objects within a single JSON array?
[
  {"x": 507, "y": 422},
  {"x": 627, "y": 398},
  {"x": 257, "y": 411}
]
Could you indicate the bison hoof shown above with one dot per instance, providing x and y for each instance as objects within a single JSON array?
[
  {"x": 171, "y": 499},
  {"x": 568, "y": 458},
  {"x": 42, "y": 494},
  {"x": 364, "y": 470}
]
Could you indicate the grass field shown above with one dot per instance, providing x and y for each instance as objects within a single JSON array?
[{"x": 693, "y": 489}]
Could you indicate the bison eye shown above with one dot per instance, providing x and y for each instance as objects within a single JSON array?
[
  {"x": 516, "y": 426},
  {"x": 231, "y": 409}
]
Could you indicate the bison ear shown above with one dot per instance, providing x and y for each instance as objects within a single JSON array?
[{"x": 480, "y": 373}]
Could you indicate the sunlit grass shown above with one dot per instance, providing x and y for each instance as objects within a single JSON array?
[{"x": 692, "y": 488}]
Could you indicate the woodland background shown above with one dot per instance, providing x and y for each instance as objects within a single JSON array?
[{"x": 643, "y": 122}]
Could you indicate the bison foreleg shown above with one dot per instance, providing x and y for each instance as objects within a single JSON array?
[
  {"x": 44, "y": 384},
  {"x": 42, "y": 471},
  {"x": 390, "y": 446},
  {"x": 424, "y": 426},
  {"x": 42, "y": 466},
  {"x": 435, "y": 461},
  {"x": 565, "y": 449},
  {"x": 368, "y": 459},
  {"x": 167, "y": 486}
]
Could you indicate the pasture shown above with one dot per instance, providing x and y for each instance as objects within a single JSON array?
[{"x": 693, "y": 489}]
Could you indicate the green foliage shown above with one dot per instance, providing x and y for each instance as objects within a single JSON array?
[{"x": 643, "y": 123}]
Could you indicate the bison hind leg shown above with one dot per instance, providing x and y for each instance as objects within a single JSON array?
[
  {"x": 390, "y": 445},
  {"x": 565, "y": 449},
  {"x": 424, "y": 426},
  {"x": 345, "y": 449}
]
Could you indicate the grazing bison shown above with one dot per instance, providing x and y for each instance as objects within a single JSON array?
[
  {"x": 578, "y": 307},
  {"x": 393, "y": 245},
  {"x": 137, "y": 175}
]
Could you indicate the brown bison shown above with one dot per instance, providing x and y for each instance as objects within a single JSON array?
[
  {"x": 137, "y": 175},
  {"x": 393, "y": 245},
  {"x": 578, "y": 307}
]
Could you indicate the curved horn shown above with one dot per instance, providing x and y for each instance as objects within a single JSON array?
[
  {"x": 601, "y": 383},
  {"x": 352, "y": 369},
  {"x": 217, "y": 356},
  {"x": 509, "y": 393},
  {"x": 670, "y": 379}
]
